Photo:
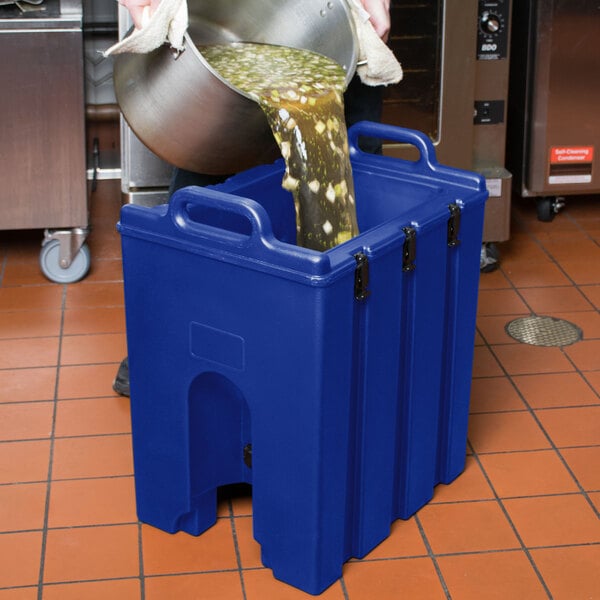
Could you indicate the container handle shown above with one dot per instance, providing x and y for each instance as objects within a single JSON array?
[
  {"x": 235, "y": 220},
  {"x": 392, "y": 133},
  {"x": 238, "y": 225}
]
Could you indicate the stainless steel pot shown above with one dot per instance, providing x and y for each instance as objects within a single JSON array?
[{"x": 188, "y": 115}]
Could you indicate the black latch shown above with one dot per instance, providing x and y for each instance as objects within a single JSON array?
[
  {"x": 453, "y": 225},
  {"x": 361, "y": 277},
  {"x": 409, "y": 251},
  {"x": 248, "y": 455}
]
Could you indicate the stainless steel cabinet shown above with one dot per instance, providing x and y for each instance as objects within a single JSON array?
[{"x": 42, "y": 146}]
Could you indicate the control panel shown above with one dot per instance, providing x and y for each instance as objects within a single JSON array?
[{"x": 492, "y": 32}]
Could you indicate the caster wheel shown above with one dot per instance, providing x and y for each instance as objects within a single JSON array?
[
  {"x": 50, "y": 263},
  {"x": 548, "y": 207},
  {"x": 489, "y": 259}
]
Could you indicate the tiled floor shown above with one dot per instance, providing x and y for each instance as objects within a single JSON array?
[{"x": 521, "y": 523}]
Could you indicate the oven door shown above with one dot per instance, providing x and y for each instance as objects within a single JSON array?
[{"x": 436, "y": 43}]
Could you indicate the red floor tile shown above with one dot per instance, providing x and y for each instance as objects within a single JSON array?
[
  {"x": 496, "y": 576},
  {"x": 467, "y": 527},
  {"x": 96, "y": 416},
  {"x": 496, "y": 280},
  {"x": 471, "y": 484},
  {"x": 501, "y": 302},
  {"x": 21, "y": 593},
  {"x": 413, "y": 578},
  {"x": 261, "y": 584},
  {"x": 555, "y": 299},
  {"x": 213, "y": 586},
  {"x": 22, "y": 506},
  {"x": 88, "y": 295},
  {"x": 523, "y": 359},
  {"x": 405, "y": 540},
  {"x": 26, "y": 421},
  {"x": 585, "y": 355},
  {"x": 572, "y": 426},
  {"x": 105, "y": 501},
  {"x": 485, "y": 363},
  {"x": 27, "y": 385},
  {"x": 92, "y": 457},
  {"x": 555, "y": 390},
  {"x": 87, "y": 381},
  {"x": 166, "y": 553},
  {"x": 122, "y": 589},
  {"x": 22, "y": 462},
  {"x": 80, "y": 321},
  {"x": 535, "y": 274},
  {"x": 494, "y": 394},
  {"x": 570, "y": 573},
  {"x": 98, "y": 348},
  {"x": 493, "y": 329},
  {"x": 21, "y": 553},
  {"x": 90, "y": 553},
  {"x": 506, "y": 432},
  {"x": 594, "y": 380},
  {"x": 40, "y": 297},
  {"x": 19, "y": 273},
  {"x": 528, "y": 474},
  {"x": 29, "y": 324},
  {"x": 585, "y": 464},
  {"x": 582, "y": 272},
  {"x": 105, "y": 270},
  {"x": 249, "y": 548},
  {"x": 554, "y": 520},
  {"x": 592, "y": 293},
  {"x": 25, "y": 353}
]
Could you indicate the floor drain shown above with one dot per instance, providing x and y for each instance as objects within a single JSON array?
[{"x": 543, "y": 331}]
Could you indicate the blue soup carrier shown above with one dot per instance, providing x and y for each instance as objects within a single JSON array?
[{"x": 336, "y": 383}]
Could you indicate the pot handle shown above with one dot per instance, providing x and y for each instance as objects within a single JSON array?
[{"x": 218, "y": 221}]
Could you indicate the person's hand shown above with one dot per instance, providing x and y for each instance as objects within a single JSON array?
[
  {"x": 136, "y": 9},
  {"x": 380, "y": 16}
]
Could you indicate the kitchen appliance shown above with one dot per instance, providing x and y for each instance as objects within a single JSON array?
[
  {"x": 554, "y": 121},
  {"x": 455, "y": 56},
  {"x": 185, "y": 111},
  {"x": 43, "y": 132}
]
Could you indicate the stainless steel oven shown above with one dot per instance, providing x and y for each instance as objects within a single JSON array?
[
  {"x": 554, "y": 119},
  {"x": 455, "y": 55},
  {"x": 455, "y": 58}
]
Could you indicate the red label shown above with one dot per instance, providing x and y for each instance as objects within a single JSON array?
[{"x": 571, "y": 154}]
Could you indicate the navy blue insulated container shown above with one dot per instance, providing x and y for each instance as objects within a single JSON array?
[{"x": 336, "y": 383}]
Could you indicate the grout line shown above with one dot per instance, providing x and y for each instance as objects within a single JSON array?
[
  {"x": 344, "y": 588},
  {"x": 433, "y": 557},
  {"x": 51, "y": 452},
  {"x": 142, "y": 576},
  {"x": 236, "y": 546},
  {"x": 500, "y": 503}
]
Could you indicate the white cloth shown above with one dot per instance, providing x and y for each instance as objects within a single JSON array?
[
  {"x": 377, "y": 64},
  {"x": 168, "y": 23}
]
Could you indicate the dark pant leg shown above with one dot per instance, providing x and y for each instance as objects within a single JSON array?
[{"x": 364, "y": 103}]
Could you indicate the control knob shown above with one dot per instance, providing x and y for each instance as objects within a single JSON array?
[{"x": 490, "y": 23}]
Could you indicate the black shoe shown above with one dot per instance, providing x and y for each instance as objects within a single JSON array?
[{"x": 121, "y": 382}]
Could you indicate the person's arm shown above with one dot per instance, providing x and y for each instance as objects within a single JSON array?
[
  {"x": 380, "y": 16},
  {"x": 136, "y": 9}
]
